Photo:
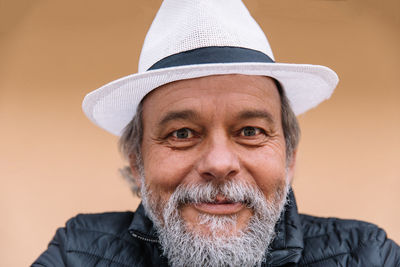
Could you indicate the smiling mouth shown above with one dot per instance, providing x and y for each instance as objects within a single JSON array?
[{"x": 221, "y": 206}]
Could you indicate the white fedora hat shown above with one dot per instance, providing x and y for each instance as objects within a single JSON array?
[{"x": 190, "y": 39}]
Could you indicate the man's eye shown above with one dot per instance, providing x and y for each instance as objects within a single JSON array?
[
  {"x": 183, "y": 133},
  {"x": 250, "y": 131}
]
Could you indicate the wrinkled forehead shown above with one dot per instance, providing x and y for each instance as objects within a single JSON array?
[{"x": 233, "y": 87}]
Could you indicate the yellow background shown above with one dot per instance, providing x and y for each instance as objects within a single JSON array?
[{"x": 54, "y": 163}]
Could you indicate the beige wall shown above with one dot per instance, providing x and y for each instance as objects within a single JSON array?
[{"x": 54, "y": 163}]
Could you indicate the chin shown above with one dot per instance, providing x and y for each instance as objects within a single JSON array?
[{"x": 215, "y": 226}]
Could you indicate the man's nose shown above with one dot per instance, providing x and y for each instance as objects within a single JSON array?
[{"x": 218, "y": 159}]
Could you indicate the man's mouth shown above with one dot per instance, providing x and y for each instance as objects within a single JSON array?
[{"x": 220, "y": 206}]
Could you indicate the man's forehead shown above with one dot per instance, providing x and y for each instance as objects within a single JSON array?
[
  {"x": 232, "y": 96},
  {"x": 226, "y": 84}
]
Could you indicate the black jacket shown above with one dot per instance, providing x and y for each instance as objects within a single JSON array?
[{"x": 129, "y": 239}]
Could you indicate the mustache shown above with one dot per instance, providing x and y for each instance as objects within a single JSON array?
[{"x": 230, "y": 191}]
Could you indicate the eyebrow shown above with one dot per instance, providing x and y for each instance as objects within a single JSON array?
[
  {"x": 178, "y": 115},
  {"x": 250, "y": 114},
  {"x": 192, "y": 115}
]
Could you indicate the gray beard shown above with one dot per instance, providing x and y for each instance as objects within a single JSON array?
[{"x": 185, "y": 247}]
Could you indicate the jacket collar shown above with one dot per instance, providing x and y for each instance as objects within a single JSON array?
[
  {"x": 142, "y": 226},
  {"x": 286, "y": 247},
  {"x": 288, "y": 244}
]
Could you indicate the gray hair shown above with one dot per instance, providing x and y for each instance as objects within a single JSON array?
[{"x": 131, "y": 138}]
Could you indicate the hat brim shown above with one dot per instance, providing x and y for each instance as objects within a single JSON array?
[{"x": 113, "y": 105}]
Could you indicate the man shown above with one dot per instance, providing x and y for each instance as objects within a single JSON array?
[{"x": 212, "y": 149}]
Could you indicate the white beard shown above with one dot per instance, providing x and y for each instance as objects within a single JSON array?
[{"x": 185, "y": 247}]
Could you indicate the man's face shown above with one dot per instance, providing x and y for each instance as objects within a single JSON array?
[{"x": 214, "y": 131}]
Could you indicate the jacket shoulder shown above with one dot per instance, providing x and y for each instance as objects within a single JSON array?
[
  {"x": 329, "y": 241},
  {"x": 90, "y": 238},
  {"x": 314, "y": 227},
  {"x": 113, "y": 223},
  {"x": 100, "y": 232}
]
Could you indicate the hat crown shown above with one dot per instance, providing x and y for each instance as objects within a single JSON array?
[{"x": 183, "y": 25}]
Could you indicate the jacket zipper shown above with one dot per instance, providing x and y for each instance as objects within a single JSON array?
[{"x": 143, "y": 238}]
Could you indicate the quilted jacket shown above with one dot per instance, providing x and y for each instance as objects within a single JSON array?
[{"x": 128, "y": 239}]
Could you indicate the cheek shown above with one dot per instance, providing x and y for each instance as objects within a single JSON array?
[
  {"x": 268, "y": 170},
  {"x": 165, "y": 169}
]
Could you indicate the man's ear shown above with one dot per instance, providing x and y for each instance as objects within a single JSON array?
[
  {"x": 133, "y": 164},
  {"x": 292, "y": 166}
]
